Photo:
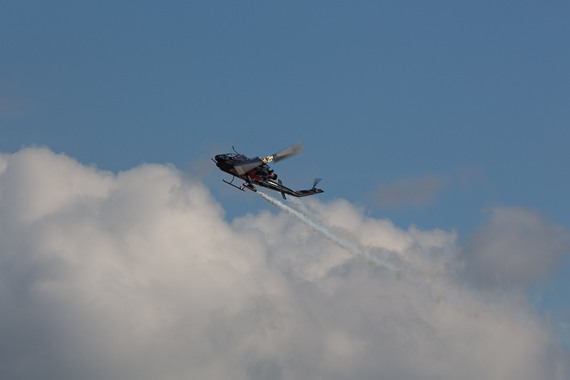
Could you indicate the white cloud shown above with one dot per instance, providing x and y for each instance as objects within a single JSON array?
[
  {"x": 515, "y": 247},
  {"x": 138, "y": 275}
]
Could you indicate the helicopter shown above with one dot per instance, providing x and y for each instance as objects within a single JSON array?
[{"x": 255, "y": 171}]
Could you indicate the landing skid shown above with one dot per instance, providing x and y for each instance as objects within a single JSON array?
[
  {"x": 242, "y": 187},
  {"x": 231, "y": 184}
]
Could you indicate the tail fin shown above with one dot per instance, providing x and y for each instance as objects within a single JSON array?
[{"x": 282, "y": 193}]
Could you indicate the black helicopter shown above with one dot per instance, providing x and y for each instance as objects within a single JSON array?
[{"x": 255, "y": 171}]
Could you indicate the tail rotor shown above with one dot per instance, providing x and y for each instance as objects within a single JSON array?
[{"x": 316, "y": 182}]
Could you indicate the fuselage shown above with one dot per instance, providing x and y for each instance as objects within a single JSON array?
[
  {"x": 230, "y": 163},
  {"x": 255, "y": 171}
]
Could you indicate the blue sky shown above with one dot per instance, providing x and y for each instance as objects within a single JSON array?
[
  {"x": 461, "y": 105},
  {"x": 375, "y": 92}
]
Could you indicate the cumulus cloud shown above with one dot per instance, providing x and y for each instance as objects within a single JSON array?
[
  {"x": 408, "y": 191},
  {"x": 138, "y": 275}
]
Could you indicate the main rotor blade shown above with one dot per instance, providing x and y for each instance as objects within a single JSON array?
[{"x": 288, "y": 152}]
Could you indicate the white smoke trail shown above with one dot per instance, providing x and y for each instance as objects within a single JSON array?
[
  {"x": 300, "y": 205},
  {"x": 439, "y": 291},
  {"x": 343, "y": 243}
]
